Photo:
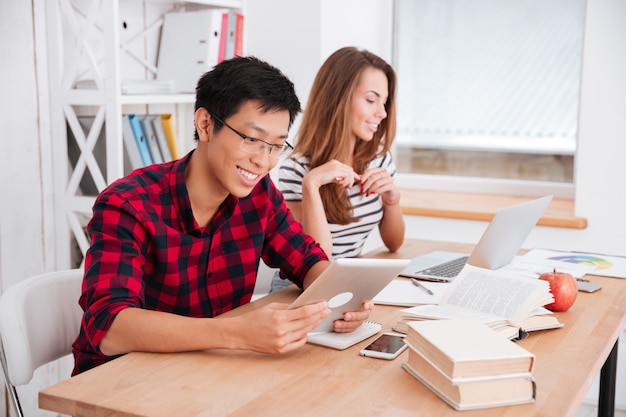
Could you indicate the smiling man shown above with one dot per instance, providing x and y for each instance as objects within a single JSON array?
[{"x": 175, "y": 245}]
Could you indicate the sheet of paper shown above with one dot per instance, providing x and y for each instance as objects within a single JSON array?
[
  {"x": 533, "y": 267},
  {"x": 603, "y": 265},
  {"x": 401, "y": 292}
]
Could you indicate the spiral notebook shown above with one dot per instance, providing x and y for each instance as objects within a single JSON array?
[{"x": 341, "y": 341}]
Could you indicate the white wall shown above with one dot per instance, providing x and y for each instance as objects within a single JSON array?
[
  {"x": 300, "y": 39},
  {"x": 25, "y": 247},
  {"x": 21, "y": 211},
  {"x": 297, "y": 36},
  {"x": 600, "y": 158}
]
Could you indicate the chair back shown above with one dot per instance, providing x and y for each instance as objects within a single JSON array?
[{"x": 39, "y": 320}]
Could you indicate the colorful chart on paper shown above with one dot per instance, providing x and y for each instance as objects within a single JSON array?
[
  {"x": 589, "y": 260},
  {"x": 603, "y": 265}
]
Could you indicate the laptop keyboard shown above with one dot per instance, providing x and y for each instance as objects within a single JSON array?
[{"x": 448, "y": 269}]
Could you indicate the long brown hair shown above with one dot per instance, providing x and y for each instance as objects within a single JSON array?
[{"x": 325, "y": 130}]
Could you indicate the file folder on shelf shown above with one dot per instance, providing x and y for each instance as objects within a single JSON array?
[
  {"x": 170, "y": 135},
  {"x": 140, "y": 138},
  {"x": 155, "y": 152}
]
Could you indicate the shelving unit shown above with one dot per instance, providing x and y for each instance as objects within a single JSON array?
[{"x": 105, "y": 41}]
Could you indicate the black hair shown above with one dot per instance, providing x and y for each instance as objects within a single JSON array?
[{"x": 235, "y": 81}]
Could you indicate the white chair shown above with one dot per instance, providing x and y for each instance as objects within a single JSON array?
[{"x": 39, "y": 320}]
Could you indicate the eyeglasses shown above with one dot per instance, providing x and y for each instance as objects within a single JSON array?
[{"x": 257, "y": 146}]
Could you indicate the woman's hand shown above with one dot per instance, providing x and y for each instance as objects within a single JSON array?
[
  {"x": 332, "y": 171},
  {"x": 379, "y": 181}
]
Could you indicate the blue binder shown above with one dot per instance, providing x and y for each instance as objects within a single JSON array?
[{"x": 140, "y": 138}]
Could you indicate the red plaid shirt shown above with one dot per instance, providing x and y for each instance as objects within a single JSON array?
[{"x": 147, "y": 251}]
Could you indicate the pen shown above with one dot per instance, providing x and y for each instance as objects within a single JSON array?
[{"x": 420, "y": 285}]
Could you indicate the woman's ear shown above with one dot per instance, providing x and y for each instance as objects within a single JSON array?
[{"x": 204, "y": 124}]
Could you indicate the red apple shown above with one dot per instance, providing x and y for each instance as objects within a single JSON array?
[{"x": 563, "y": 287}]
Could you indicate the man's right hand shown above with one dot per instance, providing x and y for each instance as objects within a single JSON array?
[{"x": 274, "y": 328}]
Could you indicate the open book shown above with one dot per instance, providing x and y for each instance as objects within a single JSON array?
[{"x": 503, "y": 300}]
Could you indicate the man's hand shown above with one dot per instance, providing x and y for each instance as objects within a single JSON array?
[
  {"x": 275, "y": 329},
  {"x": 352, "y": 320}
]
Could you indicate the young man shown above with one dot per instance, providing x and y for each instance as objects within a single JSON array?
[{"x": 175, "y": 245}]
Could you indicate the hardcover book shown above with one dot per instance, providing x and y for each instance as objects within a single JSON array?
[
  {"x": 468, "y": 348},
  {"x": 469, "y": 365},
  {"x": 472, "y": 393}
]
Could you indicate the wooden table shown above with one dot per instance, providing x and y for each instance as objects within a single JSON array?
[{"x": 317, "y": 381}]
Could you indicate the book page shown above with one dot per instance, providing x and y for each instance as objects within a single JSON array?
[
  {"x": 447, "y": 311},
  {"x": 504, "y": 326},
  {"x": 496, "y": 293}
]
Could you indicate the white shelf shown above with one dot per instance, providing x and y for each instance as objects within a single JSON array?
[
  {"x": 158, "y": 98},
  {"x": 231, "y": 4},
  {"x": 106, "y": 56},
  {"x": 91, "y": 97},
  {"x": 80, "y": 204},
  {"x": 84, "y": 97}
]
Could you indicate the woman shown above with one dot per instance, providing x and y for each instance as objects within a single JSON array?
[{"x": 339, "y": 181}]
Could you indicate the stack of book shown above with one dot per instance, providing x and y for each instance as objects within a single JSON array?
[{"x": 469, "y": 365}]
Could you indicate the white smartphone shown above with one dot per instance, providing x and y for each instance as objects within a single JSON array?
[
  {"x": 386, "y": 346},
  {"x": 585, "y": 286}
]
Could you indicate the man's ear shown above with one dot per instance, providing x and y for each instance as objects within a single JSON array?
[{"x": 204, "y": 124}]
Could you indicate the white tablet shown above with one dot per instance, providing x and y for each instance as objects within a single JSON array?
[{"x": 347, "y": 283}]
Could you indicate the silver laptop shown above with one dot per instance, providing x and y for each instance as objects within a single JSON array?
[
  {"x": 347, "y": 283},
  {"x": 497, "y": 247}
]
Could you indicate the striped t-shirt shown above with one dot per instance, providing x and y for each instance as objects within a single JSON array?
[{"x": 348, "y": 240}]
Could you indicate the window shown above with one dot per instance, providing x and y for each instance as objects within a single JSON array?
[{"x": 488, "y": 88}]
